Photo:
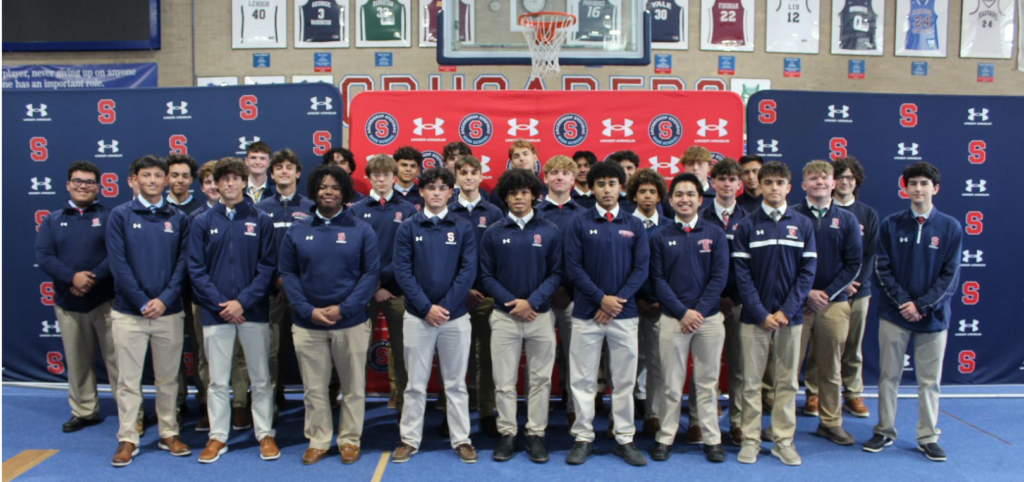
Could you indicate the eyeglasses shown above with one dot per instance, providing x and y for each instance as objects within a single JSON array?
[
  {"x": 83, "y": 182},
  {"x": 846, "y": 178}
]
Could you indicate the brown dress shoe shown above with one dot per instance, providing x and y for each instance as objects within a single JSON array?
[
  {"x": 811, "y": 407},
  {"x": 466, "y": 453},
  {"x": 124, "y": 454},
  {"x": 652, "y": 426},
  {"x": 312, "y": 456},
  {"x": 403, "y": 453},
  {"x": 736, "y": 436},
  {"x": 214, "y": 449},
  {"x": 175, "y": 446},
  {"x": 693, "y": 435},
  {"x": 241, "y": 419},
  {"x": 268, "y": 449},
  {"x": 856, "y": 407},
  {"x": 349, "y": 454}
]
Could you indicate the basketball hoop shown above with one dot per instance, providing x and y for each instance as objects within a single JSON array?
[{"x": 545, "y": 33}]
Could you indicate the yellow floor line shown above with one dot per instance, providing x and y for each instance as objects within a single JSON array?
[
  {"x": 379, "y": 473},
  {"x": 23, "y": 462}
]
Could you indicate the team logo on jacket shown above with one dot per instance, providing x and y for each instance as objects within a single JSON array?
[
  {"x": 665, "y": 130},
  {"x": 341, "y": 239},
  {"x": 483, "y": 222},
  {"x": 476, "y": 129},
  {"x": 935, "y": 242},
  {"x": 792, "y": 232},
  {"x": 381, "y": 128},
  {"x": 451, "y": 238},
  {"x": 168, "y": 227},
  {"x": 537, "y": 241},
  {"x": 300, "y": 215},
  {"x": 835, "y": 223},
  {"x": 250, "y": 229},
  {"x": 96, "y": 222},
  {"x": 625, "y": 233},
  {"x": 398, "y": 217},
  {"x": 705, "y": 245},
  {"x": 570, "y": 130}
]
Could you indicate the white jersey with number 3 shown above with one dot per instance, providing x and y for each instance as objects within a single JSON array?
[{"x": 793, "y": 26}]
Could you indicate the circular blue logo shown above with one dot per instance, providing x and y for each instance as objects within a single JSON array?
[
  {"x": 377, "y": 358},
  {"x": 381, "y": 128},
  {"x": 665, "y": 130},
  {"x": 432, "y": 159},
  {"x": 717, "y": 156},
  {"x": 570, "y": 130},
  {"x": 476, "y": 129}
]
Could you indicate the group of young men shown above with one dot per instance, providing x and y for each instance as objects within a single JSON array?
[{"x": 632, "y": 274}]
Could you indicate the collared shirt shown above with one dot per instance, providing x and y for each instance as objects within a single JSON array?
[
  {"x": 75, "y": 206},
  {"x": 551, "y": 200},
  {"x": 706, "y": 186},
  {"x": 399, "y": 188},
  {"x": 768, "y": 209},
  {"x": 440, "y": 216},
  {"x": 376, "y": 197},
  {"x": 581, "y": 193},
  {"x": 521, "y": 222},
  {"x": 691, "y": 225},
  {"x": 644, "y": 219},
  {"x": 326, "y": 219},
  {"x": 469, "y": 204},
  {"x": 839, "y": 203},
  {"x": 149, "y": 205},
  {"x": 602, "y": 211},
  {"x": 287, "y": 199},
  {"x": 925, "y": 215},
  {"x": 209, "y": 205},
  {"x": 229, "y": 211},
  {"x": 720, "y": 210},
  {"x": 818, "y": 212},
  {"x": 171, "y": 200},
  {"x": 256, "y": 192}
]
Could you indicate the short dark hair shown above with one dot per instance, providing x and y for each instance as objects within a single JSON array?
[
  {"x": 725, "y": 167},
  {"x": 687, "y": 177},
  {"x": 408, "y": 153},
  {"x": 467, "y": 161},
  {"x": 514, "y": 180},
  {"x": 283, "y": 156},
  {"x": 230, "y": 166},
  {"x": 922, "y": 169},
  {"x": 747, "y": 159},
  {"x": 83, "y": 166},
  {"x": 346, "y": 156},
  {"x": 589, "y": 156},
  {"x": 258, "y": 146},
  {"x": 619, "y": 156},
  {"x": 645, "y": 176},
  {"x": 850, "y": 163},
  {"x": 604, "y": 170},
  {"x": 183, "y": 159},
  {"x": 432, "y": 175},
  {"x": 146, "y": 162},
  {"x": 774, "y": 169},
  {"x": 453, "y": 149},
  {"x": 340, "y": 176}
]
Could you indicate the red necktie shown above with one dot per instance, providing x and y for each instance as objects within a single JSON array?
[
  {"x": 687, "y": 229},
  {"x": 80, "y": 211},
  {"x": 921, "y": 220},
  {"x": 609, "y": 217},
  {"x": 383, "y": 201},
  {"x": 725, "y": 218}
]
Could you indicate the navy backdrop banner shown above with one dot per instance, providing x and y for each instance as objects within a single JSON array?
[
  {"x": 89, "y": 76},
  {"x": 44, "y": 132},
  {"x": 974, "y": 141}
]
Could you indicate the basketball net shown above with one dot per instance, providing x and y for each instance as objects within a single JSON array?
[{"x": 545, "y": 34}]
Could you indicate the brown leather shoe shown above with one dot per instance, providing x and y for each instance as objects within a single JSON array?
[
  {"x": 736, "y": 436},
  {"x": 856, "y": 407},
  {"x": 241, "y": 419},
  {"x": 693, "y": 435},
  {"x": 268, "y": 449},
  {"x": 349, "y": 454},
  {"x": 403, "y": 453},
  {"x": 214, "y": 449},
  {"x": 175, "y": 446},
  {"x": 652, "y": 426},
  {"x": 811, "y": 407},
  {"x": 466, "y": 453},
  {"x": 312, "y": 456},
  {"x": 124, "y": 454}
]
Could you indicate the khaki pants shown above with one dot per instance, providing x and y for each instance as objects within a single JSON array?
[
  {"x": 452, "y": 340},
  {"x": 281, "y": 317},
  {"x": 853, "y": 354},
  {"x": 755, "y": 342},
  {"x": 929, "y": 351},
  {"x": 133, "y": 335},
  {"x": 734, "y": 360},
  {"x": 825, "y": 332},
  {"x": 650, "y": 359},
  {"x": 316, "y": 350},
  {"x": 394, "y": 312},
  {"x": 585, "y": 355},
  {"x": 81, "y": 334},
  {"x": 220, "y": 341},
  {"x": 239, "y": 372},
  {"x": 508, "y": 337},
  {"x": 563, "y": 320},
  {"x": 480, "y": 319},
  {"x": 706, "y": 346}
]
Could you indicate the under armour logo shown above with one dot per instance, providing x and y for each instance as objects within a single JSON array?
[
  {"x": 103, "y": 147},
  {"x": 760, "y": 232},
  {"x": 63, "y": 225},
  {"x": 593, "y": 231},
  {"x": 626, "y": 127},
  {"x": 971, "y": 185},
  {"x": 50, "y": 326},
  {"x": 843, "y": 112},
  {"x": 506, "y": 241},
  {"x": 672, "y": 165},
  {"x": 315, "y": 103},
  {"x": 973, "y": 256},
  {"x": 904, "y": 240},
  {"x": 485, "y": 164},
  {"x": 420, "y": 126},
  {"x": 772, "y": 146},
  {"x": 136, "y": 225},
  {"x": 309, "y": 238},
  {"x": 719, "y": 128},
  {"x": 968, "y": 325},
  {"x": 243, "y": 143},
  {"x": 905, "y": 149},
  {"x": 366, "y": 216},
  {"x": 213, "y": 231},
  {"x": 45, "y": 184},
  {"x": 972, "y": 114},
  {"x": 31, "y": 110},
  {"x": 419, "y": 238},
  {"x": 906, "y": 360},
  {"x": 180, "y": 108},
  {"x": 671, "y": 243},
  {"x": 514, "y": 126}
]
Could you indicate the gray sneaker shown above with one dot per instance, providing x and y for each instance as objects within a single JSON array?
[
  {"x": 787, "y": 454},
  {"x": 835, "y": 435},
  {"x": 748, "y": 453}
]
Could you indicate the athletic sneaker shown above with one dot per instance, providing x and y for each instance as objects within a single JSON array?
[
  {"x": 787, "y": 454},
  {"x": 933, "y": 452},
  {"x": 877, "y": 443},
  {"x": 748, "y": 453}
]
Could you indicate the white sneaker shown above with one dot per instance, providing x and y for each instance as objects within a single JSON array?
[
  {"x": 787, "y": 454},
  {"x": 748, "y": 453}
]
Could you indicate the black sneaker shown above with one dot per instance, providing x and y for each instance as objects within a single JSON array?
[
  {"x": 660, "y": 452},
  {"x": 835, "y": 435},
  {"x": 630, "y": 454},
  {"x": 579, "y": 453},
  {"x": 78, "y": 423},
  {"x": 536, "y": 449},
  {"x": 877, "y": 443},
  {"x": 489, "y": 426},
  {"x": 715, "y": 453},
  {"x": 506, "y": 448},
  {"x": 933, "y": 452}
]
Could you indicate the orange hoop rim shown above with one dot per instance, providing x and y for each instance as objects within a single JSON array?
[{"x": 565, "y": 20}]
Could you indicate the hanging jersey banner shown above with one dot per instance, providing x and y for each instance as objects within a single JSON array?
[
  {"x": 793, "y": 26},
  {"x": 258, "y": 24},
  {"x": 727, "y": 25},
  {"x": 668, "y": 24},
  {"x": 88, "y": 76},
  {"x": 657, "y": 125},
  {"x": 596, "y": 21},
  {"x": 428, "y": 21},
  {"x": 858, "y": 27},
  {"x": 922, "y": 28},
  {"x": 973, "y": 140},
  {"x": 321, "y": 24},
  {"x": 986, "y": 29},
  {"x": 383, "y": 23}
]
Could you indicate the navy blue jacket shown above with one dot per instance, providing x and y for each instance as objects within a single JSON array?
[
  {"x": 840, "y": 254},
  {"x": 749, "y": 203},
  {"x": 920, "y": 264},
  {"x": 435, "y": 265},
  {"x": 521, "y": 263},
  {"x": 484, "y": 215},
  {"x": 501, "y": 205},
  {"x": 385, "y": 221},
  {"x": 413, "y": 197},
  {"x": 284, "y": 213},
  {"x": 190, "y": 207},
  {"x": 690, "y": 270},
  {"x": 606, "y": 258},
  {"x": 707, "y": 201},
  {"x": 735, "y": 218},
  {"x": 147, "y": 255},
  {"x": 774, "y": 265},
  {"x": 199, "y": 210},
  {"x": 561, "y": 216},
  {"x": 232, "y": 260},
  {"x": 269, "y": 192},
  {"x": 867, "y": 217},
  {"x": 647, "y": 291},
  {"x": 329, "y": 263},
  {"x": 69, "y": 242},
  {"x": 585, "y": 201}
]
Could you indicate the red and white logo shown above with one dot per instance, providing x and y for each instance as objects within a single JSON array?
[
  {"x": 168, "y": 227},
  {"x": 398, "y": 217},
  {"x": 719, "y": 129},
  {"x": 55, "y": 362},
  {"x": 483, "y": 222},
  {"x": 341, "y": 239},
  {"x": 835, "y": 224},
  {"x": 626, "y": 233},
  {"x": 705, "y": 245},
  {"x": 935, "y": 242},
  {"x": 792, "y": 232},
  {"x": 537, "y": 240},
  {"x": 95, "y": 222},
  {"x": 514, "y": 127},
  {"x": 967, "y": 361}
]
